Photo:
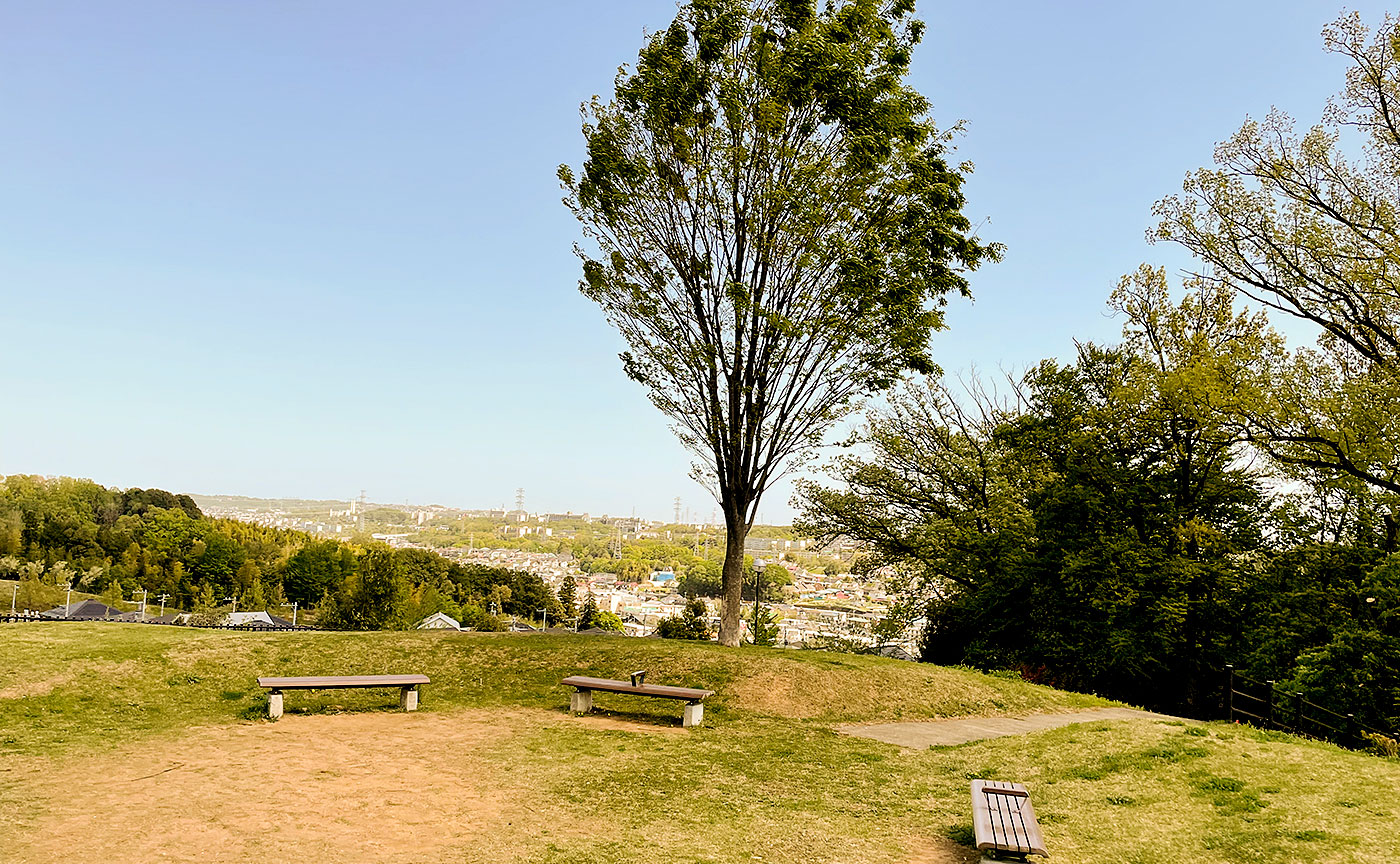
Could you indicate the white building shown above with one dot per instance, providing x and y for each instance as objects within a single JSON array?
[{"x": 439, "y": 621}]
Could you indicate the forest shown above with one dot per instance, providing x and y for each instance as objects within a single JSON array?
[
  {"x": 1109, "y": 524},
  {"x": 56, "y": 532}
]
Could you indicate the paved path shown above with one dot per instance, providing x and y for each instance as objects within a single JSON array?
[{"x": 964, "y": 729}]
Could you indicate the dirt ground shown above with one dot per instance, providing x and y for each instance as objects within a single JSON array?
[{"x": 371, "y": 787}]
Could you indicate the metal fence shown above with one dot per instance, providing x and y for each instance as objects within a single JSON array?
[
  {"x": 36, "y": 618},
  {"x": 1264, "y": 704}
]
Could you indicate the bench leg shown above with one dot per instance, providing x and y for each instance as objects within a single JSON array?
[
  {"x": 408, "y": 699},
  {"x": 694, "y": 714},
  {"x": 274, "y": 704},
  {"x": 581, "y": 702}
]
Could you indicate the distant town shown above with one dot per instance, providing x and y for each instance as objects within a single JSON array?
[{"x": 815, "y": 597}]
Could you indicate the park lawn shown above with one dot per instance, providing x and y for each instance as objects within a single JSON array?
[{"x": 767, "y": 778}]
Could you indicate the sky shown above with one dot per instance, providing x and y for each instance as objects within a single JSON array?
[{"x": 301, "y": 249}]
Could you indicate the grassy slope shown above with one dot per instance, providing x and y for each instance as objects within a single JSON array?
[{"x": 766, "y": 776}]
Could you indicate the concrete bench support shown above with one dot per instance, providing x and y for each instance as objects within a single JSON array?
[
  {"x": 274, "y": 704},
  {"x": 581, "y": 702},
  {"x": 694, "y": 714},
  {"x": 408, "y": 699}
]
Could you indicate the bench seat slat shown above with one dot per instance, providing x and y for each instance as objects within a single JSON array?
[
  {"x": 337, "y": 682},
  {"x": 661, "y": 691},
  {"x": 1004, "y": 820}
]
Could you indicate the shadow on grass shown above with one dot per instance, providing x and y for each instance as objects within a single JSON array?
[
  {"x": 640, "y": 718},
  {"x": 961, "y": 833}
]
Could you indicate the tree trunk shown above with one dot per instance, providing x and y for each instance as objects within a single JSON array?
[{"x": 736, "y": 530}]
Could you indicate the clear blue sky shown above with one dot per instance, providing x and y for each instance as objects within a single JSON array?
[{"x": 301, "y": 249}]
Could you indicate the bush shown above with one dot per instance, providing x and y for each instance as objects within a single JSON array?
[
  {"x": 475, "y": 618},
  {"x": 693, "y": 624}
]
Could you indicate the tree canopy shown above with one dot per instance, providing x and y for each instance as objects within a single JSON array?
[
  {"x": 774, "y": 228},
  {"x": 1309, "y": 226}
]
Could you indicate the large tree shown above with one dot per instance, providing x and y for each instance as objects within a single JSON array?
[
  {"x": 1309, "y": 226},
  {"x": 773, "y": 227}
]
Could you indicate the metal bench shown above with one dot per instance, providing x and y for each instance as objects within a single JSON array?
[
  {"x": 581, "y": 701},
  {"x": 407, "y": 684},
  {"x": 1004, "y": 821}
]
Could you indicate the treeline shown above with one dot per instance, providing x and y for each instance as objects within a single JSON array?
[
  {"x": 56, "y": 532},
  {"x": 1108, "y": 525}
]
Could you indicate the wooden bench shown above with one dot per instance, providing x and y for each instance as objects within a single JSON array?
[
  {"x": 581, "y": 701},
  {"x": 1004, "y": 821},
  {"x": 407, "y": 684}
]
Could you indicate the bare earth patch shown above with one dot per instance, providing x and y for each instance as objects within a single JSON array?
[{"x": 361, "y": 787}]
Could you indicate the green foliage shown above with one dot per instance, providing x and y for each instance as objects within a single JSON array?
[
  {"x": 568, "y": 598},
  {"x": 692, "y": 624},
  {"x": 588, "y": 612},
  {"x": 372, "y": 599},
  {"x": 106, "y": 541},
  {"x": 1091, "y": 533},
  {"x": 1309, "y": 225},
  {"x": 317, "y": 568},
  {"x": 473, "y": 617},
  {"x": 605, "y": 620},
  {"x": 728, "y": 191},
  {"x": 763, "y": 626}
]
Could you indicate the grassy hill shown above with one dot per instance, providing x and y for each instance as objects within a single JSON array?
[{"x": 493, "y": 768}]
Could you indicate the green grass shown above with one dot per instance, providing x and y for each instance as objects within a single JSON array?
[
  {"x": 767, "y": 775},
  {"x": 87, "y": 682}
]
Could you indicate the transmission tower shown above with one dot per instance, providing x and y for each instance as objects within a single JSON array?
[
  {"x": 677, "y": 502},
  {"x": 520, "y": 499},
  {"x": 360, "y": 511}
]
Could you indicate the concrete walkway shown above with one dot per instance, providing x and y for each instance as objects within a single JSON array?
[{"x": 942, "y": 733}]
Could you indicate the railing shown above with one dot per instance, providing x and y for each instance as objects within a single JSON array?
[
  {"x": 34, "y": 617},
  {"x": 1263, "y": 704}
]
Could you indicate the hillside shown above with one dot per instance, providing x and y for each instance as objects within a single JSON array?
[{"x": 100, "y": 721}]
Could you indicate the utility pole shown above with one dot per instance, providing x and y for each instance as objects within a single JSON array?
[
  {"x": 235, "y": 604},
  {"x": 14, "y": 592},
  {"x": 68, "y": 600},
  {"x": 545, "y": 618},
  {"x": 294, "y": 613},
  {"x": 143, "y": 604},
  {"x": 162, "y": 599}
]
